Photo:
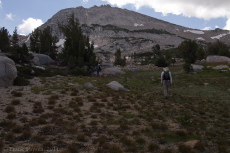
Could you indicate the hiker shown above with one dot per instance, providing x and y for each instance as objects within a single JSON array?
[
  {"x": 166, "y": 81},
  {"x": 98, "y": 69}
]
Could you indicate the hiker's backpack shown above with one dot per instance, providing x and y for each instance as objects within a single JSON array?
[
  {"x": 99, "y": 68},
  {"x": 166, "y": 75}
]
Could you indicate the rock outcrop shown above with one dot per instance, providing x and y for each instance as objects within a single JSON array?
[{"x": 8, "y": 71}]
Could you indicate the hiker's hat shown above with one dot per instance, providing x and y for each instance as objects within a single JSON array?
[{"x": 166, "y": 69}]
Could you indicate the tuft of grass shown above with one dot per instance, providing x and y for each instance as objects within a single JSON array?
[
  {"x": 184, "y": 148},
  {"x": 10, "y": 137},
  {"x": 153, "y": 147},
  {"x": 7, "y": 124},
  {"x": 16, "y": 93},
  {"x": 81, "y": 137},
  {"x": 72, "y": 148},
  {"x": 47, "y": 145},
  {"x": 101, "y": 140},
  {"x": 38, "y": 138},
  {"x": 15, "y": 102},
  {"x": 25, "y": 135},
  {"x": 52, "y": 99},
  {"x": 10, "y": 109},
  {"x": 38, "y": 107},
  {"x": 159, "y": 126},
  {"x": 140, "y": 140},
  {"x": 1, "y": 145},
  {"x": 11, "y": 116},
  {"x": 114, "y": 148},
  {"x": 17, "y": 129}
]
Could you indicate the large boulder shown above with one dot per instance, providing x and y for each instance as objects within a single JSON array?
[
  {"x": 8, "y": 71},
  {"x": 41, "y": 59},
  {"x": 217, "y": 59},
  {"x": 116, "y": 86}
]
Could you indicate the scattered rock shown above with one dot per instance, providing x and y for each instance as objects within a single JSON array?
[
  {"x": 89, "y": 86},
  {"x": 41, "y": 59},
  {"x": 116, "y": 86},
  {"x": 39, "y": 67},
  {"x": 197, "y": 67},
  {"x": 206, "y": 84},
  {"x": 220, "y": 67},
  {"x": 191, "y": 144},
  {"x": 8, "y": 71}
]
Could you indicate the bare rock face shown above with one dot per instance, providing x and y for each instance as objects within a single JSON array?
[
  {"x": 8, "y": 71},
  {"x": 112, "y": 28},
  {"x": 217, "y": 59}
]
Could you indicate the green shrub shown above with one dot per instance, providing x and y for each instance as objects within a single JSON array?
[
  {"x": 187, "y": 67},
  {"x": 161, "y": 62},
  {"x": 20, "y": 81},
  {"x": 78, "y": 71}
]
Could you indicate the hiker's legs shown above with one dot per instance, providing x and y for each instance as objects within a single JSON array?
[{"x": 166, "y": 88}]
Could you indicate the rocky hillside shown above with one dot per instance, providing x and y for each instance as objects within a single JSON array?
[{"x": 111, "y": 28}]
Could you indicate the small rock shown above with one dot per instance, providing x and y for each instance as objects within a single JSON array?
[
  {"x": 89, "y": 86},
  {"x": 191, "y": 144},
  {"x": 116, "y": 86}
]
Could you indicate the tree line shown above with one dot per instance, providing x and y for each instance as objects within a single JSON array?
[
  {"x": 189, "y": 50},
  {"x": 78, "y": 52}
]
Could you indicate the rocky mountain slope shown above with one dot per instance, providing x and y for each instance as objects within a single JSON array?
[{"x": 111, "y": 28}]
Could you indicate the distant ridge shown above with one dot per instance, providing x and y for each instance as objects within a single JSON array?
[{"x": 111, "y": 28}]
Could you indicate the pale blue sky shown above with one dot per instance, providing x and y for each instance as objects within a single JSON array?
[{"x": 206, "y": 14}]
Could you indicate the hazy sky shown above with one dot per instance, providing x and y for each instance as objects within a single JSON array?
[{"x": 26, "y": 15}]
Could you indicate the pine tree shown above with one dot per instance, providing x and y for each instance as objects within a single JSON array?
[
  {"x": 35, "y": 44},
  {"x": 118, "y": 59},
  {"x": 42, "y": 41},
  {"x": 4, "y": 40},
  {"x": 77, "y": 51},
  {"x": 14, "y": 41},
  {"x": 19, "y": 53},
  {"x": 188, "y": 50},
  {"x": 14, "y": 49}
]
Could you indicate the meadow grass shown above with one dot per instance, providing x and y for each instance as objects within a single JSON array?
[{"x": 140, "y": 120}]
